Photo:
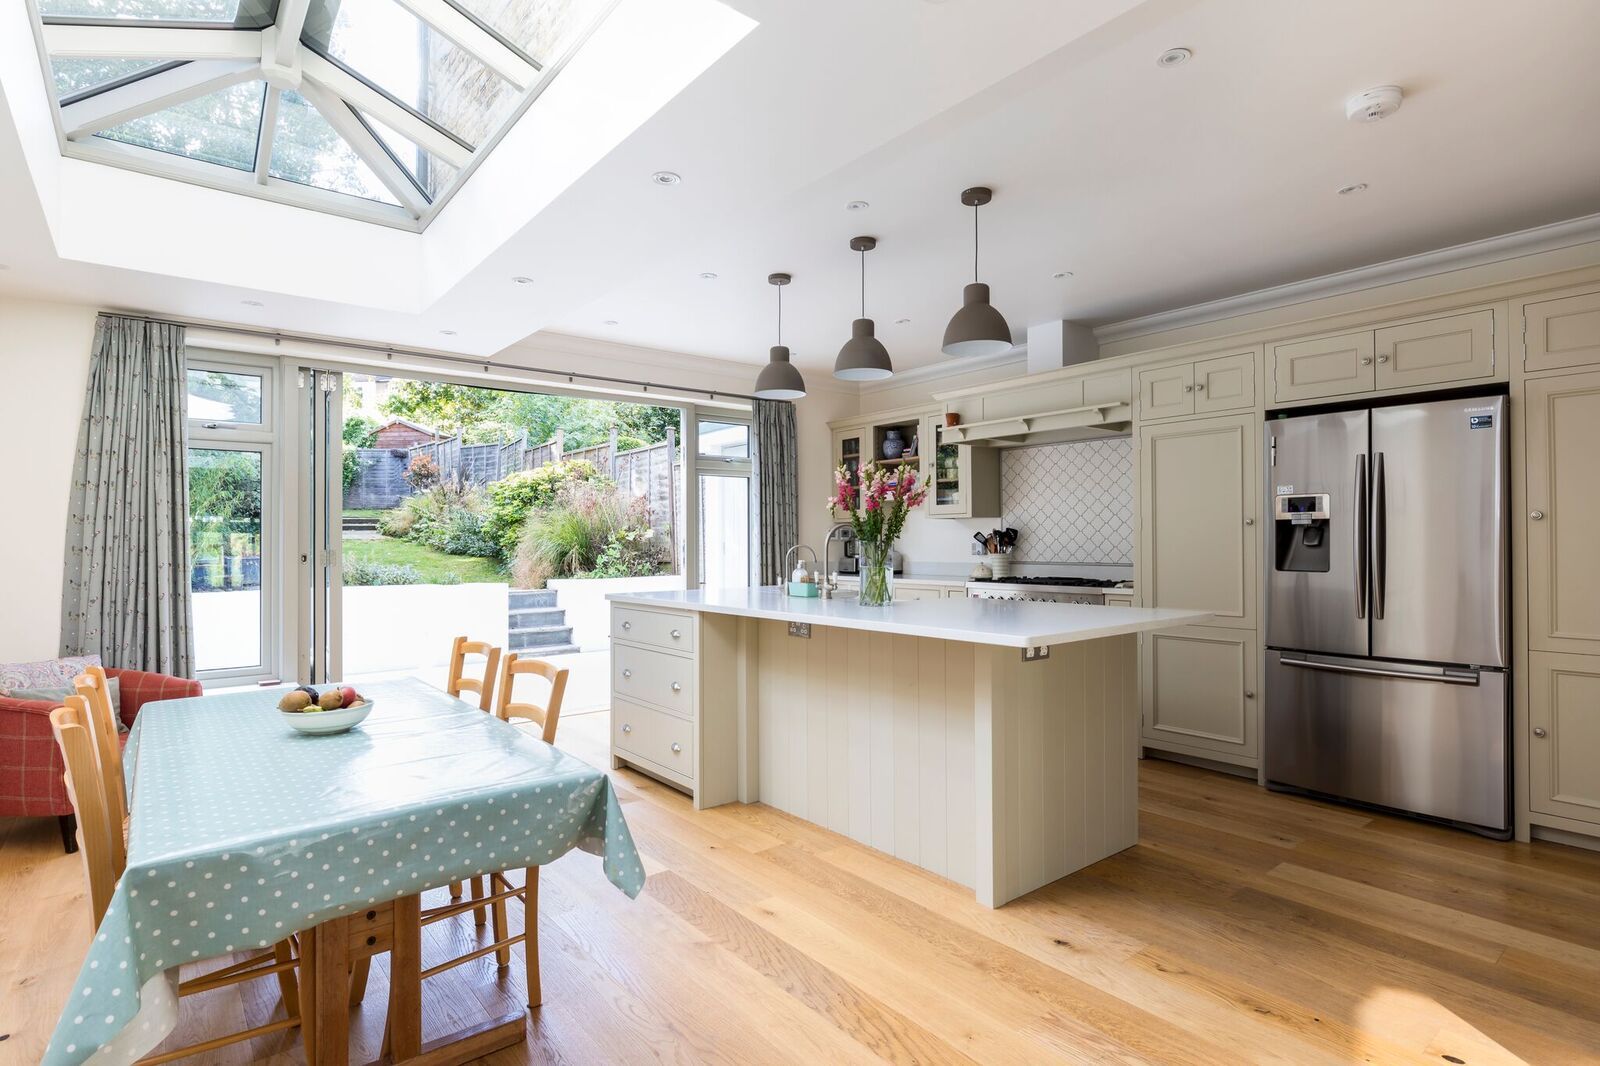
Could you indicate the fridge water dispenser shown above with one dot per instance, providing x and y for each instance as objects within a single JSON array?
[{"x": 1300, "y": 524}]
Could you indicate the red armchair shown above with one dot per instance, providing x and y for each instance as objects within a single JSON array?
[{"x": 31, "y": 769}]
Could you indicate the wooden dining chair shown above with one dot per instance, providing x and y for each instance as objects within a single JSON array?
[
  {"x": 99, "y": 832},
  {"x": 95, "y": 691},
  {"x": 483, "y": 686},
  {"x": 544, "y": 715},
  {"x": 456, "y": 684}
]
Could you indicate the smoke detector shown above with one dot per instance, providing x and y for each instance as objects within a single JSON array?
[{"x": 1373, "y": 104}]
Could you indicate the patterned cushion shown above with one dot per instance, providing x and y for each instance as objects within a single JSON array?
[
  {"x": 46, "y": 673},
  {"x": 56, "y": 694}
]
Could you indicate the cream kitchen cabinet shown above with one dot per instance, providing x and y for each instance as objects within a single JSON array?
[
  {"x": 965, "y": 479},
  {"x": 850, "y": 450},
  {"x": 1323, "y": 366},
  {"x": 1205, "y": 386},
  {"x": 1199, "y": 498},
  {"x": 1197, "y": 693},
  {"x": 1561, "y": 331},
  {"x": 1564, "y": 736},
  {"x": 1561, "y": 424},
  {"x": 1434, "y": 351}
]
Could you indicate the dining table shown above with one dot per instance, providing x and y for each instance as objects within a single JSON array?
[{"x": 244, "y": 831}]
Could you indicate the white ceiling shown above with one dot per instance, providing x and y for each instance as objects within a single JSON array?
[{"x": 1157, "y": 188}]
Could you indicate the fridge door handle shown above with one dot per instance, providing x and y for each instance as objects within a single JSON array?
[
  {"x": 1380, "y": 536},
  {"x": 1445, "y": 676},
  {"x": 1360, "y": 536}
]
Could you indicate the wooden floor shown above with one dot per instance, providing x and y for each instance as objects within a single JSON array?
[{"x": 1245, "y": 927}]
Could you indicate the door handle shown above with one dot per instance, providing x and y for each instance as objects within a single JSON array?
[
  {"x": 1370, "y": 671},
  {"x": 1360, "y": 537},
  {"x": 1380, "y": 536},
  {"x": 1538, "y": 731}
]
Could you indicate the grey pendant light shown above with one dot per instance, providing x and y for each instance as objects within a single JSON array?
[
  {"x": 863, "y": 357},
  {"x": 976, "y": 329},
  {"x": 779, "y": 379}
]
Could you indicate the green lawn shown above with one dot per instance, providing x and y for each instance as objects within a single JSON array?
[
  {"x": 432, "y": 565},
  {"x": 362, "y": 512}
]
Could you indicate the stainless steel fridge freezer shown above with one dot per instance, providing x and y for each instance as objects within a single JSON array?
[{"x": 1387, "y": 608}]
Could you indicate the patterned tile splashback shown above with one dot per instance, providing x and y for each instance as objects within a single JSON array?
[{"x": 1071, "y": 503}]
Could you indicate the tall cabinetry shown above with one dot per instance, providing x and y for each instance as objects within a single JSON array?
[
  {"x": 1559, "y": 513},
  {"x": 1198, "y": 547}
]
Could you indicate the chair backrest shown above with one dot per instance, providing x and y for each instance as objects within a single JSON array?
[
  {"x": 86, "y": 787},
  {"x": 96, "y": 694},
  {"x": 547, "y": 715},
  {"x": 483, "y": 686}
]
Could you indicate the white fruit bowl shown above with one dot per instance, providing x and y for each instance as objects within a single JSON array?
[{"x": 326, "y": 723}]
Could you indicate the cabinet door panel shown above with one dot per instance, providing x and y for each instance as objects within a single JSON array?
[
  {"x": 1197, "y": 492},
  {"x": 1562, "y": 420},
  {"x": 1197, "y": 690},
  {"x": 1457, "y": 348},
  {"x": 1562, "y": 333},
  {"x": 1225, "y": 383},
  {"x": 1564, "y": 763},
  {"x": 1326, "y": 366},
  {"x": 1166, "y": 391}
]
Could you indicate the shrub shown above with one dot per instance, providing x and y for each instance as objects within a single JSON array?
[
  {"x": 461, "y": 533},
  {"x": 512, "y": 498},
  {"x": 361, "y": 573},
  {"x": 590, "y": 531},
  {"x": 352, "y": 466},
  {"x": 422, "y": 472}
]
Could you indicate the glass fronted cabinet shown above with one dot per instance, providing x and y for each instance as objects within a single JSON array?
[
  {"x": 847, "y": 452},
  {"x": 966, "y": 478}
]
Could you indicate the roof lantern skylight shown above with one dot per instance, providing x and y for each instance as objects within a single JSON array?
[{"x": 375, "y": 109}]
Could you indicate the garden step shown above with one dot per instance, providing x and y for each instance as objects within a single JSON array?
[
  {"x": 522, "y": 599},
  {"x": 548, "y": 650},
  {"x": 541, "y": 638},
  {"x": 360, "y": 523},
  {"x": 521, "y": 618}
]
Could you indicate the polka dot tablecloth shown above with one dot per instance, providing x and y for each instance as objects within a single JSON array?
[{"x": 245, "y": 831}]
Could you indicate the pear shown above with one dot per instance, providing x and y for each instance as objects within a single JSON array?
[
  {"x": 294, "y": 701},
  {"x": 331, "y": 700}
]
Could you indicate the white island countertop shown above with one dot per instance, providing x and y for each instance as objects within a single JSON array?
[{"x": 1005, "y": 623}]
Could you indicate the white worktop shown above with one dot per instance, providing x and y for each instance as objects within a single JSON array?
[{"x": 1006, "y": 623}]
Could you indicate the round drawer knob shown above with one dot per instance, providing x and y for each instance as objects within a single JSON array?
[
  {"x": 1538, "y": 731},
  {"x": 677, "y": 749},
  {"x": 1188, "y": 388},
  {"x": 1383, "y": 358},
  {"x": 1199, "y": 387},
  {"x": 626, "y": 728},
  {"x": 1249, "y": 521},
  {"x": 1536, "y": 515},
  {"x": 1249, "y": 695},
  {"x": 676, "y": 634},
  {"x": 627, "y": 625},
  {"x": 1366, "y": 360},
  {"x": 627, "y": 673},
  {"x": 677, "y": 687}
]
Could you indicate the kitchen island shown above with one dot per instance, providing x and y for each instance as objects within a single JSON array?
[{"x": 992, "y": 742}]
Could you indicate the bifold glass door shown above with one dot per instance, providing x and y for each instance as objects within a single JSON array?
[{"x": 321, "y": 510}]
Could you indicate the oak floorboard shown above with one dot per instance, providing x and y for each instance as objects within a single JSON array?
[{"x": 1246, "y": 927}]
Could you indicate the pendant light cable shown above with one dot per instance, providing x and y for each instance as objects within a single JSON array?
[
  {"x": 974, "y": 243},
  {"x": 863, "y": 283},
  {"x": 780, "y": 314}
]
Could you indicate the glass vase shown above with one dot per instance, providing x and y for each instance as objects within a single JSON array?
[{"x": 877, "y": 577}]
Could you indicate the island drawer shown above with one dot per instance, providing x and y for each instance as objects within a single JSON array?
[
  {"x": 654, "y": 677},
  {"x": 653, "y": 735},
  {"x": 663, "y": 629}
]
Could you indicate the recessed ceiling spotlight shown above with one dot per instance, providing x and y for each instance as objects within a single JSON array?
[
  {"x": 252, "y": 303},
  {"x": 902, "y": 321},
  {"x": 857, "y": 205},
  {"x": 448, "y": 332},
  {"x": 522, "y": 279},
  {"x": 609, "y": 322},
  {"x": 1058, "y": 275},
  {"x": 708, "y": 275},
  {"x": 1347, "y": 190},
  {"x": 665, "y": 177},
  {"x": 1174, "y": 57}
]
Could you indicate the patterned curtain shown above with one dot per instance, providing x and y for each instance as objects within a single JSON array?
[
  {"x": 125, "y": 590},
  {"x": 777, "y": 486}
]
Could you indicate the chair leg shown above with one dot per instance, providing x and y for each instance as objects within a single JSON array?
[
  {"x": 68, "y": 824},
  {"x": 530, "y": 943},
  {"x": 288, "y": 987},
  {"x": 502, "y": 956},
  {"x": 358, "y": 980},
  {"x": 455, "y": 890},
  {"x": 480, "y": 917},
  {"x": 308, "y": 994}
]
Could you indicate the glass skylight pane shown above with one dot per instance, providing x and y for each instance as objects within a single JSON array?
[
  {"x": 73, "y": 75},
  {"x": 244, "y": 14},
  {"x": 307, "y": 150},
  {"x": 390, "y": 47},
  {"x": 544, "y": 29},
  {"x": 432, "y": 174},
  {"x": 220, "y": 128}
]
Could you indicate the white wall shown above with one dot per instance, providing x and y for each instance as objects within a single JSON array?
[
  {"x": 401, "y": 627},
  {"x": 44, "y": 366}
]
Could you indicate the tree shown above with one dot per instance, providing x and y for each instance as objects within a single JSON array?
[
  {"x": 443, "y": 407},
  {"x": 360, "y": 431},
  {"x": 224, "y": 503}
]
